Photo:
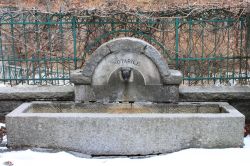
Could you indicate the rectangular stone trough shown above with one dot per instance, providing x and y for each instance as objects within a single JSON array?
[{"x": 125, "y": 129}]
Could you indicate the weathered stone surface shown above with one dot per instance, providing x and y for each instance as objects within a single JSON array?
[
  {"x": 140, "y": 93},
  {"x": 213, "y": 93},
  {"x": 8, "y": 106},
  {"x": 94, "y": 60},
  {"x": 226, "y": 93},
  {"x": 149, "y": 73},
  {"x": 37, "y": 93},
  {"x": 127, "y": 45},
  {"x": 125, "y": 134},
  {"x": 174, "y": 78},
  {"x": 84, "y": 93},
  {"x": 156, "y": 57},
  {"x": 243, "y": 106},
  {"x": 77, "y": 77},
  {"x": 239, "y": 97},
  {"x": 136, "y": 62}
]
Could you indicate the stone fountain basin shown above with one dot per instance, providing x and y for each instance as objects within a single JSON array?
[{"x": 125, "y": 129}]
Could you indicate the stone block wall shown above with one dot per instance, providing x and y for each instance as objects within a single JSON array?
[{"x": 12, "y": 97}]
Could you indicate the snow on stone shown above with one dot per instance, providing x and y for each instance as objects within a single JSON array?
[
  {"x": 194, "y": 157},
  {"x": 2, "y": 125},
  {"x": 247, "y": 142}
]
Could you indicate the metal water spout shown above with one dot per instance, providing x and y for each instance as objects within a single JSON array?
[{"x": 126, "y": 73}]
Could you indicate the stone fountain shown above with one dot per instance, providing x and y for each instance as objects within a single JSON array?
[
  {"x": 126, "y": 103},
  {"x": 126, "y": 70}
]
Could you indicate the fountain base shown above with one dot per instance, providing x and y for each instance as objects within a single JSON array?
[{"x": 125, "y": 129}]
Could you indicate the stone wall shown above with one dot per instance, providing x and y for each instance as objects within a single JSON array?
[
  {"x": 237, "y": 96},
  {"x": 11, "y": 97}
]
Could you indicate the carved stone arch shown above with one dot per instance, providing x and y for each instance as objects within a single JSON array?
[
  {"x": 133, "y": 46},
  {"x": 149, "y": 79}
]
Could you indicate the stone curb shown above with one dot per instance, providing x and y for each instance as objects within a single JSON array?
[
  {"x": 37, "y": 93},
  {"x": 214, "y": 93},
  {"x": 67, "y": 93}
]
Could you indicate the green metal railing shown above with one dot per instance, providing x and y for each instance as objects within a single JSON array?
[{"x": 38, "y": 48}]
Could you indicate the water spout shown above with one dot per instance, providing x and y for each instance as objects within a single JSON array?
[{"x": 126, "y": 73}]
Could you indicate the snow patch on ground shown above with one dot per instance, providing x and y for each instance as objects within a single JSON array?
[
  {"x": 247, "y": 142},
  {"x": 2, "y": 125},
  {"x": 4, "y": 85},
  {"x": 194, "y": 157}
]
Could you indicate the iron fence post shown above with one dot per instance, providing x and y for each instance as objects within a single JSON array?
[
  {"x": 74, "y": 40},
  {"x": 177, "y": 21}
]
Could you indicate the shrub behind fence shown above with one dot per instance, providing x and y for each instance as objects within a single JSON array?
[{"x": 43, "y": 48}]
